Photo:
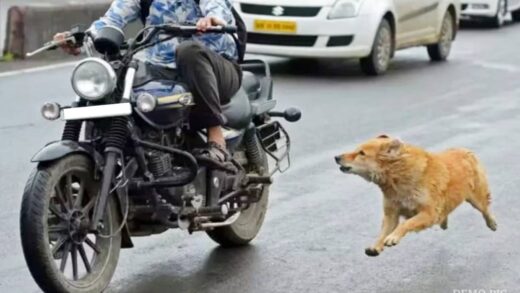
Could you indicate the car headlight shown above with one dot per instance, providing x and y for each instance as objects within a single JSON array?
[
  {"x": 345, "y": 9},
  {"x": 93, "y": 79}
]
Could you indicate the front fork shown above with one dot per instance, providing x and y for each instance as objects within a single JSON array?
[
  {"x": 104, "y": 193},
  {"x": 116, "y": 136}
]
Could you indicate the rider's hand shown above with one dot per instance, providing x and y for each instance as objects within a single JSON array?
[
  {"x": 206, "y": 22},
  {"x": 67, "y": 47}
]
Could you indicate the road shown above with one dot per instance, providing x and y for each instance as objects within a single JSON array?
[{"x": 320, "y": 220}]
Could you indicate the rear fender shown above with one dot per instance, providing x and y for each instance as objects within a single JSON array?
[
  {"x": 261, "y": 107},
  {"x": 263, "y": 100},
  {"x": 448, "y": 8}
]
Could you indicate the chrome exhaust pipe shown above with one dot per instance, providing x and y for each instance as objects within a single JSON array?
[{"x": 227, "y": 222}]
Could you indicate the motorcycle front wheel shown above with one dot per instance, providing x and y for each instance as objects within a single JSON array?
[
  {"x": 248, "y": 225},
  {"x": 61, "y": 253}
]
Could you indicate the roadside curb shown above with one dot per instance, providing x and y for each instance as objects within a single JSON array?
[{"x": 29, "y": 27}]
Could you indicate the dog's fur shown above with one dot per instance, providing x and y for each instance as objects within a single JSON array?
[{"x": 420, "y": 186}]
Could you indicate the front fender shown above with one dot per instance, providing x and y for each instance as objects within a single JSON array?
[
  {"x": 375, "y": 11},
  {"x": 59, "y": 149}
]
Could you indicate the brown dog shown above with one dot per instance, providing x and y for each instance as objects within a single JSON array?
[{"x": 423, "y": 187}]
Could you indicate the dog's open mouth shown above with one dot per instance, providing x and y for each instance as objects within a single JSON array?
[{"x": 345, "y": 169}]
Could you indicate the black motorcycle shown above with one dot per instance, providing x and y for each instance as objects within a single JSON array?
[{"x": 136, "y": 171}]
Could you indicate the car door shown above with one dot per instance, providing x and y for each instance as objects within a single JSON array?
[
  {"x": 416, "y": 18},
  {"x": 432, "y": 15}
]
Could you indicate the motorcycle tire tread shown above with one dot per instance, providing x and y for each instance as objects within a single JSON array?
[{"x": 32, "y": 230}]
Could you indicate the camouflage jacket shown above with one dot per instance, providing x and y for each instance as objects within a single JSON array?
[{"x": 123, "y": 12}]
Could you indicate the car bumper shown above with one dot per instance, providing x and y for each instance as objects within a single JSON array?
[
  {"x": 285, "y": 51},
  {"x": 478, "y": 9},
  {"x": 315, "y": 37}
]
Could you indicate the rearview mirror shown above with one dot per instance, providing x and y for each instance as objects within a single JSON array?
[{"x": 108, "y": 40}]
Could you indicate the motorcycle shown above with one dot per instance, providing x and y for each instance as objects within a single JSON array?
[{"x": 136, "y": 171}]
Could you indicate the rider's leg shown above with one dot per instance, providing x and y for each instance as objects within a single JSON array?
[
  {"x": 216, "y": 135},
  {"x": 213, "y": 80}
]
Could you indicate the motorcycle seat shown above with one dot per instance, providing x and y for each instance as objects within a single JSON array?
[
  {"x": 238, "y": 113},
  {"x": 251, "y": 85}
]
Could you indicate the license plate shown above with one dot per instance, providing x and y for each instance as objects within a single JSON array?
[
  {"x": 97, "y": 112},
  {"x": 276, "y": 26}
]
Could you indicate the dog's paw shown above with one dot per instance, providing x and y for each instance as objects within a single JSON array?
[
  {"x": 444, "y": 225},
  {"x": 392, "y": 240},
  {"x": 371, "y": 251},
  {"x": 492, "y": 224}
]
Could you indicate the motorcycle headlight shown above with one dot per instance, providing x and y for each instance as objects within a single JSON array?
[
  {"x": 93, "y": 79},
  {"x": 345, "y": 9}
]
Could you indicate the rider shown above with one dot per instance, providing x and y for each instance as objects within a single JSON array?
[{"x": 207, "y": 62}]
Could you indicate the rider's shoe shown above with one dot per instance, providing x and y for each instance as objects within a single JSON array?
[{"x": 216, "y": 157}]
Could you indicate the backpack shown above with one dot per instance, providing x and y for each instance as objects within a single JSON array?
[{"x": 240, "y": 38}]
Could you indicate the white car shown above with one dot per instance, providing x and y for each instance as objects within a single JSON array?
[
  {"x": 371, "y": 30},
  {"x": 494, "y": 11}
]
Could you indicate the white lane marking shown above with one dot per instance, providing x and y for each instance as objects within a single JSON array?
[
  {"x": 497, "y": 66},
  {"x": 36, "y": 69},
  {"x": 72, "y": 63}
]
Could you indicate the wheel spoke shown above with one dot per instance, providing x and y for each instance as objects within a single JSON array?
[
  {"x": 74, "y": 253},
  {"x": 56, "y": 212},
  {"x": 58, "y": 228},
  {"x": 89, "y": 206},
  {"x": 57, "y": 231},
  {"x": 68, "y": 190},
  {"x": 62, "y": 241},
  {"x": 84, "y": 258},
  {"x": 61, "y": 198},
  {"x": 93, "y": 245},
  {"x": 65, "y": 257}
]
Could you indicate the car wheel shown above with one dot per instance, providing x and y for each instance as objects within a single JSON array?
[
  {"x": 499, "y": 20},
  {"x": 379, "y": 59},
  {"x": 441, "y": 50}
]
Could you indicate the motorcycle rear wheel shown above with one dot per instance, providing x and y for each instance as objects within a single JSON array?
[
  {"x": 61, "y": 254},
  {"x": 248, "y": 225}
]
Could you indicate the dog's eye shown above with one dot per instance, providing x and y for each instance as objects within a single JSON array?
[{"x": 361, "y": 153}]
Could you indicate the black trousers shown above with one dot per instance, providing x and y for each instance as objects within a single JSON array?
[{"x": 212, "y": 79}]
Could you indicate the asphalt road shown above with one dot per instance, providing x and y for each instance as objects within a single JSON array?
[{"x": 320, "y": 220}]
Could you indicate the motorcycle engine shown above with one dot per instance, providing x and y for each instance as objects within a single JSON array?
[{"x": 160, "y": 164}]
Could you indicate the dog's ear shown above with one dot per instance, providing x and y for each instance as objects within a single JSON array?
[
  {"x": 383, "y": 136},
  {"x": 394, "y": 147}
]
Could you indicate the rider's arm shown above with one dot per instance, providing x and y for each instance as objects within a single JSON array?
[
  {"x": 220, "y": 9},
  {"x": 121, "y": 13}
]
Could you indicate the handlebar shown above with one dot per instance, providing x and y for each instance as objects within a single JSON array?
[
  {"x": 77, "y": 37},
  {"x": 192, "y": 30},
  {"x": 185, "y": 31}
]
